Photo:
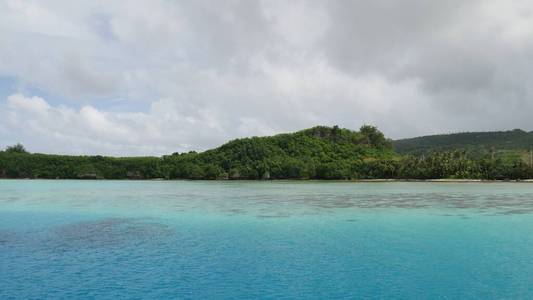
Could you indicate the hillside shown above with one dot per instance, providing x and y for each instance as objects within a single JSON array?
[
  {"x": 316, "y": 153},
  {"x": 479, "y": 142}
]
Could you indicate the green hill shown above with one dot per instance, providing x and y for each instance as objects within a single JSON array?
[
  {"x": 316, "y": 153},
  {"x": 480, "y": 142}
]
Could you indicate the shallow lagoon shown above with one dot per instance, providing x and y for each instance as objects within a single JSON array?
[{"x": 242, "y": 240}]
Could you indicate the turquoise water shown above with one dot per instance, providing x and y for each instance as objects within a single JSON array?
[{"x": 269, "y": 240}]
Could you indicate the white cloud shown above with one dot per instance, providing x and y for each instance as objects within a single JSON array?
[
  {"x": 35, "y": 105},
  {"x": 191, "y": 75}
]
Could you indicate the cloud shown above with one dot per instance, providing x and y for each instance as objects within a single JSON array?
[
  {"x": 191, "y": 75},
  {"x": 464, "y": 53},
  {"x": 60, "y": 129}
]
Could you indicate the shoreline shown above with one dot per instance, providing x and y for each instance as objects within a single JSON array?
[{"x": 294, "y": 180}]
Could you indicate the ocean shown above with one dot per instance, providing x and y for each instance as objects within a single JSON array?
[{"x": 66, "y": 239}]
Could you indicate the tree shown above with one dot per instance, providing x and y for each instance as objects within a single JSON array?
[
  {"x": 375, "y": 137},
  {"x": 18, "y": 148}
]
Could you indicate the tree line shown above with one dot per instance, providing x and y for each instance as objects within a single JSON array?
[{"x": 316, "y": 153}]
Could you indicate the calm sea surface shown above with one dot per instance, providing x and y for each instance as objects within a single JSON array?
[{"x": 269, "y": 240}]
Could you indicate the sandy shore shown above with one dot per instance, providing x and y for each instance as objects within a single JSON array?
[
  {"x": 301, "y": 180},
  {"x": 442, "y": 180}
]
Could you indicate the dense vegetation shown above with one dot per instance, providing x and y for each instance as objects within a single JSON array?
[
  {"x": 476, "y": 155},
  {"x": 479, "y": 142},
  {"x": 315, "y": 153}
]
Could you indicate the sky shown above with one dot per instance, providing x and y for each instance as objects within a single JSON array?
[{"x": 156, "y": 77}]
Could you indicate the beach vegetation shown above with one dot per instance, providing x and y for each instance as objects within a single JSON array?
[{"x": 321, "y": 152}]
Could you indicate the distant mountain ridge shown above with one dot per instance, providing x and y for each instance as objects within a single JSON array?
[{"x": 516, "y": 139}]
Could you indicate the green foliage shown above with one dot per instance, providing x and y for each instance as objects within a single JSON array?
[
  {"x": 26, "y": 165},
  {"x": 481, "y": 155},
  {"x": 375, "y": 137},
  {"x": 458, "y": 164},
  {"x": 480, "y": 143},
  {"x": 17, "y": 148},
  {"x": 315, "y": 153}
]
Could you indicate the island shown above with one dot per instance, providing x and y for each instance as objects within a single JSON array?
[{"x": 318, "y": 153}]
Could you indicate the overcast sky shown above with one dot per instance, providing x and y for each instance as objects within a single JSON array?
[{"x": 156, "y": 77}]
